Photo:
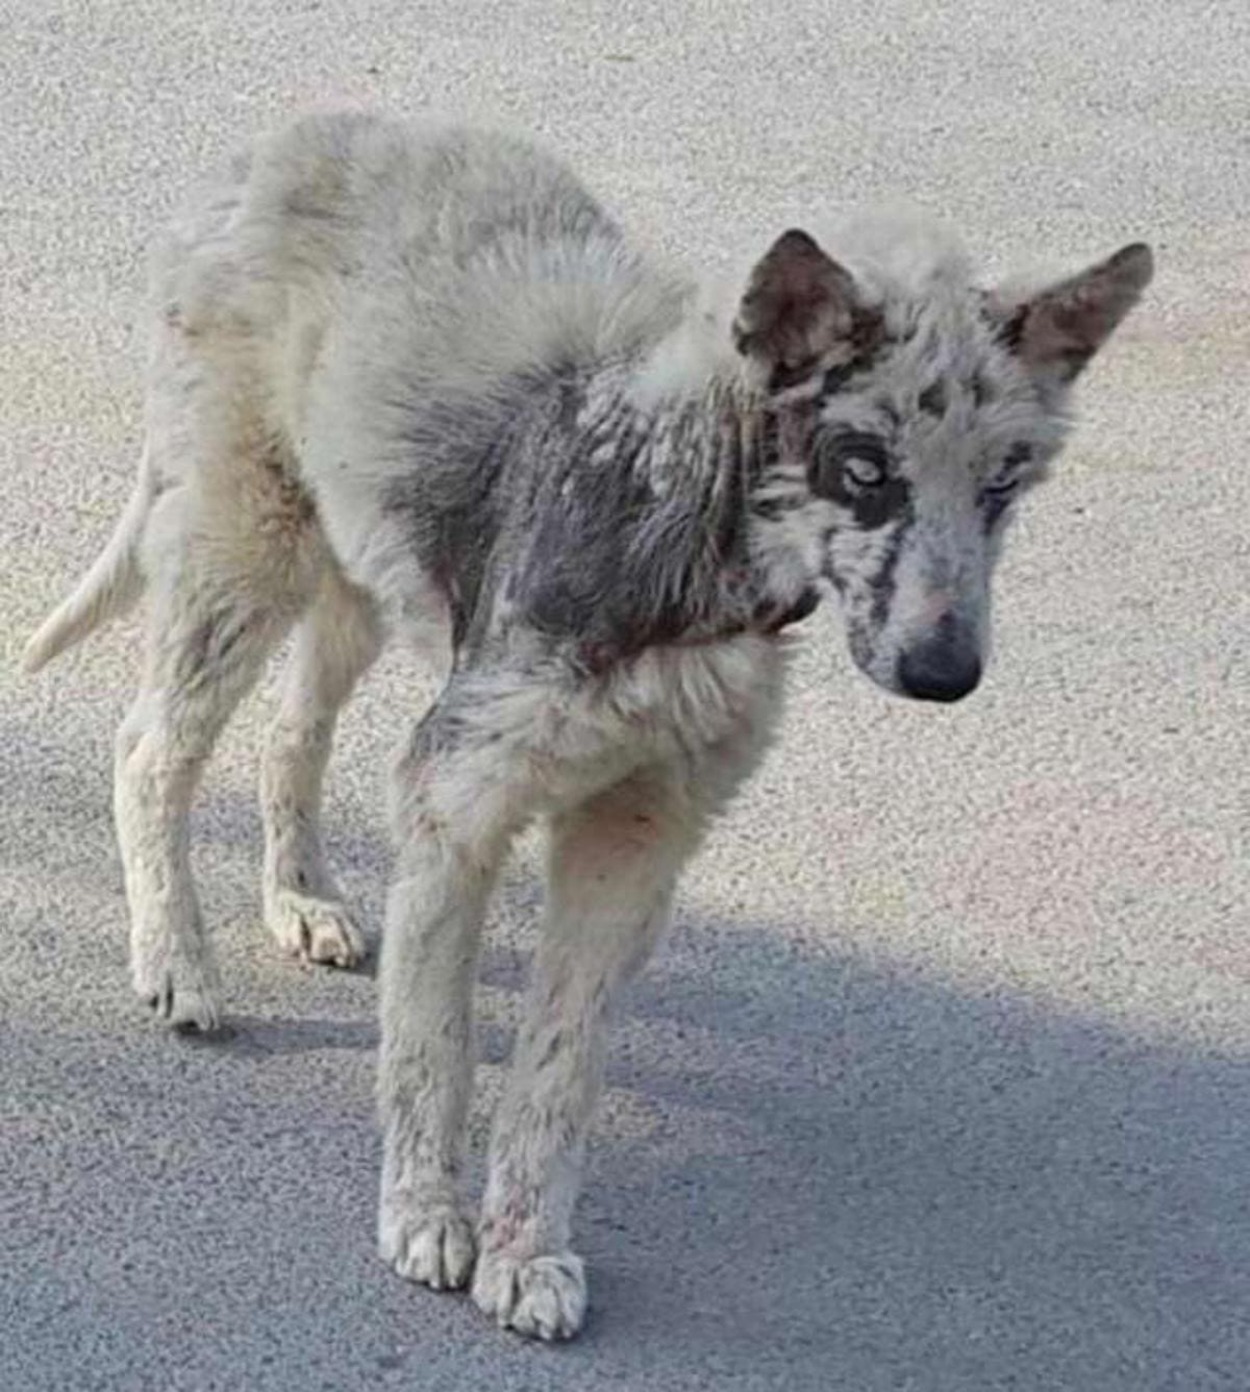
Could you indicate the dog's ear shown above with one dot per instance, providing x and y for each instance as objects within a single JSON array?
[
  {"x": 1056, "y": 331},
  {"x": 799, "y": 307}
]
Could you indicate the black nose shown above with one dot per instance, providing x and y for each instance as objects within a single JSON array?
[{"x": 943, "y": 668}]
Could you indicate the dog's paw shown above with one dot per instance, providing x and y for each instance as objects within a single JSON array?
[
  {"x": 434, "y": 1246},
  {"x": 541, "y": 1297},
  {"x": 184, "y": 995},
  {"x": 314, "y": 930}
]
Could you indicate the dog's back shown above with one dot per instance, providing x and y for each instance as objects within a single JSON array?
[{"x": 453, "y": 255}]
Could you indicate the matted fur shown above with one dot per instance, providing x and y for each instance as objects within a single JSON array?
[{"x": 412, "y": 382}]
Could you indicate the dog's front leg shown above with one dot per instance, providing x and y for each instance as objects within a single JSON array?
[
  {"x": 614, "y": 862},
  {"x": 452, "y": 835}
]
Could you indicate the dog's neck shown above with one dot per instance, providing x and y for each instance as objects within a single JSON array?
[{"x": 700, "y": 465}]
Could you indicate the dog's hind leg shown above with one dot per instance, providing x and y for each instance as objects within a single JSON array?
[
  {"x": 232, "y": 553},
  {"x": 208, "y": 637},
  {"x": 613, "y": 864},
  {"x": 335, "y": 644}
]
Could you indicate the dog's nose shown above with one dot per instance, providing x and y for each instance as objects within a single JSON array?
[{"x": 945, "y": 667}]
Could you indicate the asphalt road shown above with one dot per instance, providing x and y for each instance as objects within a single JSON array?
[{"x": 941, "y": 1083}]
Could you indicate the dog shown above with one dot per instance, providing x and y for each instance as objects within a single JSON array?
[{"x": 412, "y": 382}]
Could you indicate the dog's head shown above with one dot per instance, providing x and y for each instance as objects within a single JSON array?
[{"x": 908, "y": 410}]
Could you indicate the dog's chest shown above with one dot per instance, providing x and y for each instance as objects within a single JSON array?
[{"x": 685, "y": 700}]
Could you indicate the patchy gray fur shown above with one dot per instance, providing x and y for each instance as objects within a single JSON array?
[{"x": 411, "y": 382}]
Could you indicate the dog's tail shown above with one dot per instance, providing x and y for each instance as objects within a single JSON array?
[{"x": 111, "y": 587}]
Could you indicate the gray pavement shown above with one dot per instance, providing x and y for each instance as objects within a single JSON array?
[{"x": 942, "y": 1081}]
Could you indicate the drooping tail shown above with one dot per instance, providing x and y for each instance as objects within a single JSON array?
[{"x": 111, "y": 587}]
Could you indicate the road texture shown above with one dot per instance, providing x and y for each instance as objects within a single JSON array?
[{"x": 941, "y": 1082}]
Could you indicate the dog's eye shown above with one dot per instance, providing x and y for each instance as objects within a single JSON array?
[
  {"x": 864, "y": 471},
  {"x": 849, "y": 464},
  {"x": 1002, "y": 485},
  {"x": 996, "y": 499},
  {"x": 1018, "y": 456}
]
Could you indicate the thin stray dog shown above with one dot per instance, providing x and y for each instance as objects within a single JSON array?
[{"x": 412, "y": 381}]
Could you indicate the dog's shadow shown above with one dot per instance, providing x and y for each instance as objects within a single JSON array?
[
  {"x": 816, "y": 1173},
  {"x": 858, "y": 1178}
]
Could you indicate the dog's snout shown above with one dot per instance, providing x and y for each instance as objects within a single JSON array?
[{"x": 945, "y": 667}]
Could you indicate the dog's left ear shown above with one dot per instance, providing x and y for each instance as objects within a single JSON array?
[
  {"x": 801, "y": 309},
  {"x": 1056, "y": 332}
]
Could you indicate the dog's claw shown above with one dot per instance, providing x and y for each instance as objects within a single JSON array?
[
  {"x": 435, "y": 1249},
  {"x": 185, "y": 1000},
  {"x": 541, "y": 1297},
  {"x": 315, "y": 930}
]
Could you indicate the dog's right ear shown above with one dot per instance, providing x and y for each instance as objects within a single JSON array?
[{"x": 801, "y": 310}]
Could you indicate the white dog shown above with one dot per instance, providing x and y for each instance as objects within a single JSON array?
[{"x": 413, "y": 381}]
